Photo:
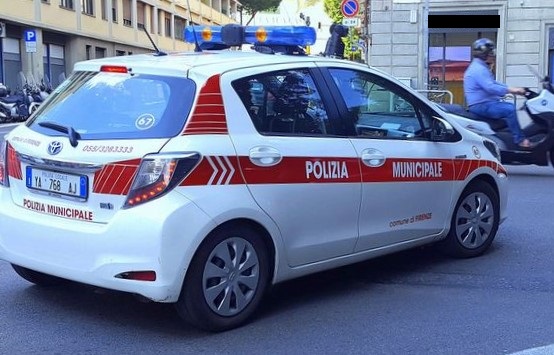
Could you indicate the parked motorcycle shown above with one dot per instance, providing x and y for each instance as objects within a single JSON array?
[
  {"x": 540, "y": 131},
  {"x": 38, "y": 92},
  {"x": 14, "y": 107},
  {"x": 19, "y": 105}
]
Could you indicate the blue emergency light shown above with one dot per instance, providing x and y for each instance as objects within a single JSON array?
[{"x": 256, "y": 35}]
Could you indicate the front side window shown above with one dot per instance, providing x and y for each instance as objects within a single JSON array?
[
  {"x": 378, "y": 107},
  {"x": 285, "y": 102},
  {"x": 117, "y": 106}
]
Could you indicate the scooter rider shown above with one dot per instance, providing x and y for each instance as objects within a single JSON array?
[{"x": 484, "y": 94}]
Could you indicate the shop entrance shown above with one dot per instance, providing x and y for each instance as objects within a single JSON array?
[{"x": 449, "y": 56}]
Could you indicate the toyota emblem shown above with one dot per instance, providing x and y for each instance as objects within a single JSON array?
[{"x": 55, "y": 147}]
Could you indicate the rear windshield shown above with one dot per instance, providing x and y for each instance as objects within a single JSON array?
[{"x": 100, "y": 105}]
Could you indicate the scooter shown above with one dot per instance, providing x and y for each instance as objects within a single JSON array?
[
  {"x": 15, "y": 107},
  {"x": 540, "y": 131}
]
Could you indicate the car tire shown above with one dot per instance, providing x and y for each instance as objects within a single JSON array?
[
  {"x": 474, "y": 223},
  {"x": 226, "y": 279},
  {"x": 37, "y": 278}
]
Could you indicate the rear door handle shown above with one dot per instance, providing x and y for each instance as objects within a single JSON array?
[{"x": 265, "y": 156}]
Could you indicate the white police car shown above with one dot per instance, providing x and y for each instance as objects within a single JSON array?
[{"x": 203, "y": 178}]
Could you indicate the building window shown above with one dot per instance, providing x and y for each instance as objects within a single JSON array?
[
  {"x": 87, "y": 7},
  {"x": 11, "y": 56},
  {"x": 167, "y": 24},
  {"x": 104, "y": 10},
  {"x": 54, "y": 64},
  {"x": 154, "y": 27},
  {"x": 114, "y": 11},
  {"x": 99, "y": 52},
  {"x": 180, "y": 24},
  {"x": 127, "y": 13},
  {"x": 67, "y": 4},
  {"x": 45, "y": 1},
  {"x": 119, "y": 53},
  {"x": 141, "y": 14}
]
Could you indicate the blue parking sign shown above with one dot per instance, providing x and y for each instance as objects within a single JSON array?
[{"x": 30, "y": 36}]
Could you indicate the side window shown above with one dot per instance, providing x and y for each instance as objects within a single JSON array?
[
  {"x": 379, "y": 108},
  {"x": 284, "y": 103}
]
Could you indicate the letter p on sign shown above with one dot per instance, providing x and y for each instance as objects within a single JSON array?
[{"x": 30, "y": 36}]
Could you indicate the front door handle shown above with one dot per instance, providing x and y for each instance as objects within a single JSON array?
[
  {"x": 265, "y": 156},
  {"x": 373, "y": 157}
]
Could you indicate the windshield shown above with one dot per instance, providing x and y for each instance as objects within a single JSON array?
[{"x": 117, "y": 106}]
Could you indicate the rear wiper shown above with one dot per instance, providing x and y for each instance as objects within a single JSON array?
[{"x": 71, "y": 133}]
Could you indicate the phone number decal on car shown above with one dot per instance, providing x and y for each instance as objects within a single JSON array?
[{"x": 107, "y": 149}]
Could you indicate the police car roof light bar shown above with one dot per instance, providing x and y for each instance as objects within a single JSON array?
[{"x": 276, "y": 37}]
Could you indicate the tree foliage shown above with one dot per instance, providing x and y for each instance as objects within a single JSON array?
[
  {"x": 302, "y": 4},
  {"x": 332, "y": 9},
  {"x": 254, "y": 6}
]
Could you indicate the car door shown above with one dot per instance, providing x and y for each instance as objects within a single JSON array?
[
  {"x": 407, "y": 178},
  {"x": 304, "y": 176}
]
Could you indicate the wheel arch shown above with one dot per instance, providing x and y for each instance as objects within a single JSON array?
[
  {"x": 258, "y": 228},
  {"x": 487, "y": 179},
  {"x": 484, "y": 177}
]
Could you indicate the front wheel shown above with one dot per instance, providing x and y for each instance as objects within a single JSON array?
[
  {"x": 226, "y": 279},
  {"x": 474, "y": 222},
  {"x": 38, "y": 278}
]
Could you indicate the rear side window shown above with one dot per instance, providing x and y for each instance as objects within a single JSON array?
[
  {"x": 118, "y": 106},
  {"x": 285, "y": 102}
]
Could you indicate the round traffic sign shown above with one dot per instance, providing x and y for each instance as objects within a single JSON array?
[{"x": 349, "y": 8}]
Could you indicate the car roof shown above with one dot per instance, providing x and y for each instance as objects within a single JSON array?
[{"x": 210, "y": 62}]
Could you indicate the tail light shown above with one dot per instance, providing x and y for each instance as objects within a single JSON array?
[
  {"x": 3, "y": 163},
  {"x": 159, "y": 174}
]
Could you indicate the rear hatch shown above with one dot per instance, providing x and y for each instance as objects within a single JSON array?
[{"x": 78, "y": 155}]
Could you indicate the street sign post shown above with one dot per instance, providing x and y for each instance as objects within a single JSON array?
[
  {"x": 30, "y": 41},
  {"x": 349, "y": 8}
]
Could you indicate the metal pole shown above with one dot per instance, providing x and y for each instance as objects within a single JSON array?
[{"x": 425, "y": 31}]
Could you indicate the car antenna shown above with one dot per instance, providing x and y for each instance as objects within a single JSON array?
[
  {"x": 159, "y": 53},
  {"x": 196, "y": 44}
]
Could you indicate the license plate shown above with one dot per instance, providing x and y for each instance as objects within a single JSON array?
[{"x": 57, "y": 182}]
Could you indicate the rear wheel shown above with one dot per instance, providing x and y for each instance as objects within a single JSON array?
[
  {"x": 226, "y": 279},
  {"x": 38, "y": 278},
  {"x": 474, "y": 221}
]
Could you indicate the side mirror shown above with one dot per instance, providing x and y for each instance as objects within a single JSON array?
[{"x": 441, "y": 130}]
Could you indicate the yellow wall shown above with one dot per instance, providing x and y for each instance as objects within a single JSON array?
[{"x": 23, "y": 9}]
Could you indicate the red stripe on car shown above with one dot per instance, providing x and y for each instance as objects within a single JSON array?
[
  {"x": 208, "y": 116},
  {"x": 115, "y": 178},
  {"x": 14, "y": 165},
  {"x": 215, "y": 170},
  {"x": 297, "y": 170}
]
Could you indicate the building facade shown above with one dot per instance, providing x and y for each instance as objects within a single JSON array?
[
  {"x": 46, "y": 38},
  {"x": 401, "y": 43}
]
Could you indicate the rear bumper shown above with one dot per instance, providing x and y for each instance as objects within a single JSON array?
[{"x": 160, "y": 236}]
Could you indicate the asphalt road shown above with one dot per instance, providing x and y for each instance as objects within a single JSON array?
[{"x": 415, "y": 302}]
